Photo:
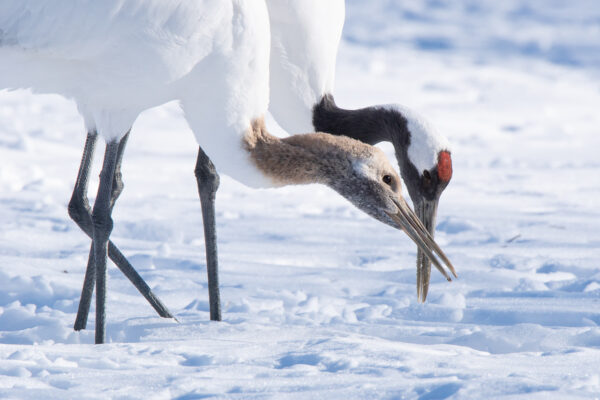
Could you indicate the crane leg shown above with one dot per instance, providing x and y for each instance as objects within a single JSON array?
[
  {"x": 80, "y": 212},
  {"x": 207, "y": 179},
  {"x": 102, "y": 227}
]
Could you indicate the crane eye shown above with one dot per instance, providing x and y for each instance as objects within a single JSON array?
[{"x": 387, "y": 179}]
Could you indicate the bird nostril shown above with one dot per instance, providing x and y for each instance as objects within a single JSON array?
[{"x": 427, "y": 175}]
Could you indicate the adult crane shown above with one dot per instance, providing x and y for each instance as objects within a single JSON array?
[
  {"x": 117, "y": 58},
  {"x": 305, "y": 35}
]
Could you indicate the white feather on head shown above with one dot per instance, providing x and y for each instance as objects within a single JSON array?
[{"x": 425, "y": 141}]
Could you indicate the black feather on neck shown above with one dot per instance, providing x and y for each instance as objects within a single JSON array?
[{"x": 369, "y": 125}]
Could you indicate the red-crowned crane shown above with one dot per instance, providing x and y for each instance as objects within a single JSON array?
[
  {"x": 117, "y": 58},
  {"x": 305, "y": 35}
]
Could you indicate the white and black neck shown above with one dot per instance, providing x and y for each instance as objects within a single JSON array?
[{"x": 369, "y": 125}]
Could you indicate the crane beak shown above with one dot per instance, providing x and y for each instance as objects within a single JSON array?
[
  {"x": 408, "y": 221},
  {"x": 426, "y": 210}
]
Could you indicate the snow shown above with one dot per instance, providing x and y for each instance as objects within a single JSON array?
[{"x": 318, "y": 299}]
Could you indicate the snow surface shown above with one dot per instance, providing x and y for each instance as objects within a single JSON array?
[{"x": 318, "y": 299}]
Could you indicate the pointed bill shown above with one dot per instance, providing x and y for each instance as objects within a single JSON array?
[
  {"x": 408, "y": 221},
  {"x": 426, "y": 210}
]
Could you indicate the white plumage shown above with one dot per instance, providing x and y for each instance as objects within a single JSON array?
[
  {"x": 116, "y": 58},
  {"x": 305, "y": 36}
]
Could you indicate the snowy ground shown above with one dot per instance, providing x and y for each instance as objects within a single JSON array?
[{"x": 319, "y": 300}]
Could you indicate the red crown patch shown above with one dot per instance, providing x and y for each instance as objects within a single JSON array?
[{"x": 444, "y": 166}]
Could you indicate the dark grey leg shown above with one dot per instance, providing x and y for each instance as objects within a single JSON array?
[
  {"x": 81, "y": 208},
  {"x": 80, "y": 212},
  {"x": 102, "y": 227},
  {"x": 208, "y": 183}
]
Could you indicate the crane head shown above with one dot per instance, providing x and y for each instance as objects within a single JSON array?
[{"x": 425, "y": 162}]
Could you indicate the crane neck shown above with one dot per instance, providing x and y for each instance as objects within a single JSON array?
[
  {"x": 302, "y": 159},
  {"x": 283, "y": 161},
  {"x": 369, "y": 125}
]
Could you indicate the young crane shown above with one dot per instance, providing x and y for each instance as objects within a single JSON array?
[{"x": 116, "y": 58}]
